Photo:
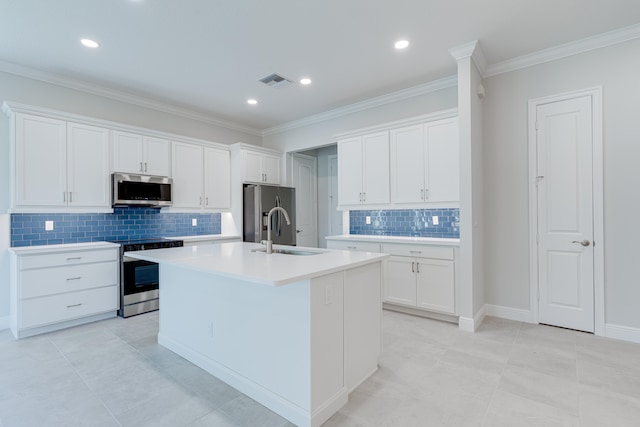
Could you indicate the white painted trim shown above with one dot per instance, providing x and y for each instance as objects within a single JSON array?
[
  {"x": 431, "y": 117},
  {"x": 472, "y": 324},
  {"x": 121, "y": 96},
  {"x": 620, "y": 332},
  {"x": 598, "y": 202},
  {"x": 509, "y": 313},
  {"x": 4, "y": 322},
  {"x": 471, "y": 49},
  {"x": 378, "y": 101},
  {"x": 598, "y": 41},
  {"x": 10, "y": 107}
]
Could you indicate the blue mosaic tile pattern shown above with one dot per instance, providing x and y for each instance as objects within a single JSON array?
[
  {"x": 407, "y": 222},
  {"x": 124, "y": 223}
]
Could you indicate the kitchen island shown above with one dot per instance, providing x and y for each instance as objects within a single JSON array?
[{"x": 295, "y": 332}]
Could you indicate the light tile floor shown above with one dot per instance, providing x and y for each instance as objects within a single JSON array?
[{"x": 113, "y": 373}]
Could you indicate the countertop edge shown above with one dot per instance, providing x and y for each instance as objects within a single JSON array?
[
  {"x": 64, "y": 247},
  {"x": 396, "y": 239}
]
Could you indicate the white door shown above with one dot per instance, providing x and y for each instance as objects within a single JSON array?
[
  {"x": 435, "y": 287},
  {"x": 350, "y": 168},
  {"x": 400, "y": 283},
  {"x": 335, "y": 216},
  {"x": 443, "y": 161},
  {"x": 217, "y": 179},
  {"x": 156, "y": 156},
  {"x": 375, "y": 174},
  {"x": 127, "y": 152},
  {"x": 271, "y": 169},
  {"x": 407, "y": 164},
  {"x": 564, "y": 139},
  {"x": 305, "y": 181}
]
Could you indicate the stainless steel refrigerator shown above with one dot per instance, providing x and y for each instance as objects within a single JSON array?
[{"x": 258, "y": 201}]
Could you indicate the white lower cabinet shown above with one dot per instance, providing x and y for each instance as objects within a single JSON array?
[
  {"x": 60, "y": 287},
  {"x": 420, "y": 277}
]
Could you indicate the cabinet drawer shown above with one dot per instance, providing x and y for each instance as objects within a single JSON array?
[
  {"x": 67, "y": 258},
  {"x": 418, "y": 251},
  {"x": 55, "y": 280},
  {"x": 62, "y": 307},
  {"x": 353, "y": 246}
]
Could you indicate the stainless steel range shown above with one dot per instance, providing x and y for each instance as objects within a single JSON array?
[{"x": 139, "y": 280}]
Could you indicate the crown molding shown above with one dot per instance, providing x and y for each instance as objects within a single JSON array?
[
  {"x": 564, "y": 50},
  {"x": 471, "y": 49},
  {"x": 389, "y": 98},
  {"x": 121, "y": 96}
]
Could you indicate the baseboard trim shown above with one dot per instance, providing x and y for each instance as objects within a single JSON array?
[
  {"x": 4, "y": 323},
  {"x": 509, "y": 313},
  {"x": 469, "y": 324},
  {"x": 625, "y": 333}
]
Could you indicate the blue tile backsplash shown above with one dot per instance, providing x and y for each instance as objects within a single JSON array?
[
  {"x": 407, "y": 222},
  {"x": 124, "y": 223}
]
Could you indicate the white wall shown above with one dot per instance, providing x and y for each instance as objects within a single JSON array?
[
  {"x": 616, "y": 69},
  {"x": 321, "y": 134}
]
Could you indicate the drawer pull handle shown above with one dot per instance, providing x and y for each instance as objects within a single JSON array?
[
  {"x": 74, "y": 305},
  {"x": 415, "y": 252},
  {"x": 352, "y": 247},
  {"x": 413, "y": 266},
  {"x": 417, "y": 267},
  {"x": 74, "y": 258},
  {"x": 74, "y": 278}
]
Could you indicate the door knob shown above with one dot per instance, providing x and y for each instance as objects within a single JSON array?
[{"x": 582, "y": 242}]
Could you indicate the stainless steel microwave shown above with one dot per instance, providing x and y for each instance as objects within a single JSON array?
[{"x": 141, "y": 190}]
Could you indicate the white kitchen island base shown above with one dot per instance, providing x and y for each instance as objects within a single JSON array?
[{"x": 298, "y": 349}]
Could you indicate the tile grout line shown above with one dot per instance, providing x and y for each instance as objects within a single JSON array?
[{"x": 85, "y": 381}]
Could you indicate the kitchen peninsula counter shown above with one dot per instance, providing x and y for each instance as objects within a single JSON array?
[{"x": 297, "y": 333}]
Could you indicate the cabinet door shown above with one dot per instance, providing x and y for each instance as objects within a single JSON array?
[
  {"x": 156, "y": 156},
  {"x": 400, "y": 283},
  {"x": 443, "y": 169},
  {"x": 187, "y": 175},
  {"x": 271, "y": 169},
  {"x": 217, "y": 179},
  {"x": 407, "y": 148},
  {"x": 41, "y": 161},
  {"x": 252, "y": 166},
  {"x": 127, "y": 152},
  {"x": 350, "y": 168},
  {"x": 375, "y": 153},
  {"x": 87, "y": 166},
  {"x": 436, "y": 285}
]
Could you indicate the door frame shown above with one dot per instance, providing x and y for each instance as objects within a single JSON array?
[
  {"x": 598, "y": 202},
  {"x": 315, "y": 198}
]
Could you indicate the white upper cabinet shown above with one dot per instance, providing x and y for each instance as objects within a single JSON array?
[
  {"x": 60, "y": 164},
  {"x": 88, "y": 166},
  {"x": 261, "y": 167},
  {"x": 217, "y": 178},
  {"x": 425, "y": 164},
  {"x": 201, "y": 177},
  {"x": 141, "y": 154},
  {"x": 363, "y": 169}
]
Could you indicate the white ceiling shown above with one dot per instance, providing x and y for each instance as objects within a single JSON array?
[{"x": 207, "y": 55}]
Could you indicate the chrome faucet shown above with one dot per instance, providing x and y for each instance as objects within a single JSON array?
[{"x": 269, "y": 242}]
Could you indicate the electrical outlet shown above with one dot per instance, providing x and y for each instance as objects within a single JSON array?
[
  {"x": 48, "y": 225},
  {"x": 368, "y": 219},
  {"x": 328, "y": 295},
  {"x": 434, "y": 219},
  {"x": 194, "y": 222}
]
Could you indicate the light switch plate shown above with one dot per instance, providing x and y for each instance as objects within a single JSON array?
[
  {"x": 48, "y": 226},
  {"x": 434, "y": 219},
  {"x": 194, "y": 222}
]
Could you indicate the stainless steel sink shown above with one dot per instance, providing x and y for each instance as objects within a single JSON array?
[{"x": 298, "y": 252}]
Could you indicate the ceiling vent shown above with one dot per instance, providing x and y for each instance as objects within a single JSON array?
[{"x": 275, "y": 80}]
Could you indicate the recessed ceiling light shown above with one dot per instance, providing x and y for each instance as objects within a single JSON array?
[
  {"x": 305, "y": 81},
  {"x": 89, "y": 43},
  {"x": 401, "y": 44},
  {"x": 252, "y": 101}
]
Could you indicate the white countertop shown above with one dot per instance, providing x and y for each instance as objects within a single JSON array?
[
  {"x": 25, "y": 250},
  {"x": 396, "y": 239},
  {"x": 206, "y": 237},
  {"x": 236, "y": 260}
]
